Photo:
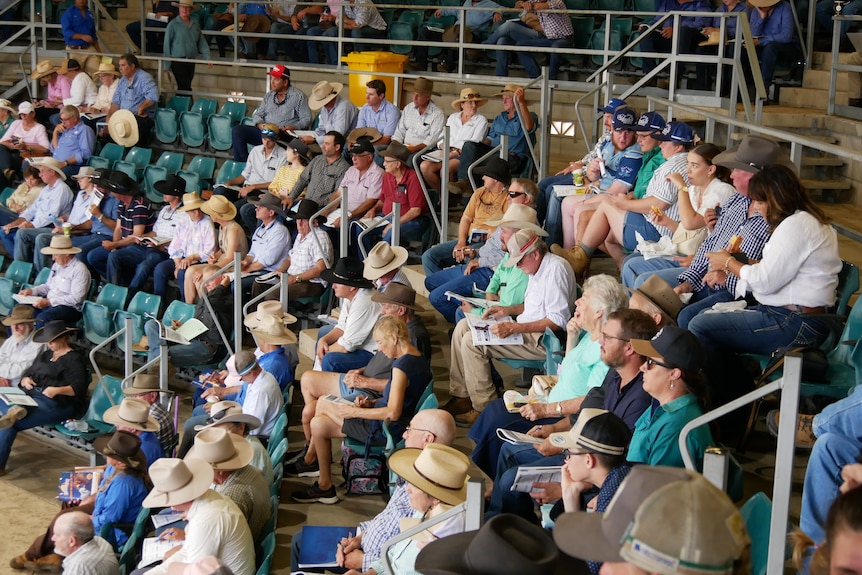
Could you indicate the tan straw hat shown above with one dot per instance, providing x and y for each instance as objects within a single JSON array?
[
  {"x": 520, "y": 244},
  {"x": 271, "y": 330},
  {"x": 518, "y": 217},
  {"x": 469, "y": 94},
  {"x": 60, "y": 244},
  {"x": 132, "y": 412},
  {"x": 323, "y": 93},
  {"x": 51, "y": 163},
  {"x": 438, "y": 470},
  {"x": 267, "y": 309},
  {"x": 143, "y": 383},
  {"x": 43, "y": 68},
  {"x": 421, "y": 85},
  {"x": 219, "y": 207},
  {"x": 222, "y": 449},
  {"x": 229, "y": 412},
  {"x": 382, "y": 259},
  {"x": 7, "y": 105},
  {"x": 191, "y": 201},
  {"x": 178, "y": 481}
]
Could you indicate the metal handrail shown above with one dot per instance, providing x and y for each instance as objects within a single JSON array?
[
  {"x": 125, "y": 331},
  {"x": 417, "y": 158},
  {"x": 236, "y": 265}
]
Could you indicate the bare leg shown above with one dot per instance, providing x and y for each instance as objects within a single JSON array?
[
  {"x": 314, "y": 385},
  {"x": 614, "y": 241},
  {"x": 598, "y": 228},
  {"x": 323, "y": 428},
  {"x": 190, "y": 283},
  {"x": 431, "y": 172}
]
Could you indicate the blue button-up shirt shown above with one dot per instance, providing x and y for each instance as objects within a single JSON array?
[
  {"x": 53, "y": 202},
  {"x": 696, "y": 22},
  {"x": 73, "y": 22},
  {"x": 77, "y": 143},
  {"x": 512, "y": 127},
  {"x": 730, "y": 23},
  {"x": 384, "y": 119},
  {"x": 120, "y": 501},
  {"x": 109, "y": 207},
  {"x": 131, "y": 94},
  {"x": 278, "y": 365},
  {"x": 270, "y": 245},
  {"x": 341, "y": 118},
  {"x": 777, "y": 27}
]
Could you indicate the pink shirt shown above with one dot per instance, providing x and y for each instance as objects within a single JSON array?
[{"x": 60, "y": 89}]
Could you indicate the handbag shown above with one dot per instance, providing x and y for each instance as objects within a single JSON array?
[
  {"x": 531, "y": 20},
  {"x": 687, "y": 241}
]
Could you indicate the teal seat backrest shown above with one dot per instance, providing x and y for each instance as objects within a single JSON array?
[
  {"x": 103, "y": 398},
  {"x": 757, "y": 514},
  {"x": 113, "y": 297}
]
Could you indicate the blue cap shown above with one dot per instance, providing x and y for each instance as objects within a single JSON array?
[
  {"x": 677, "y": 132},
  {"x": 650, "y": 122},
  {"x": 624, "y": 118},
  {"x": 612, "y": 105}
]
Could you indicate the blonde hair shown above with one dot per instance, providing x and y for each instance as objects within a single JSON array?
[{"x": 391, "y": 326}]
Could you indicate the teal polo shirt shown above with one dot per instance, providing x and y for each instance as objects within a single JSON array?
[{"x": 656, "y": 435}]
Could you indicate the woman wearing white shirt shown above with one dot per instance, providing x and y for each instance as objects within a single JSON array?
[
  {"x": 795, "y": 280},
  {"x": 465, "y": 125}
]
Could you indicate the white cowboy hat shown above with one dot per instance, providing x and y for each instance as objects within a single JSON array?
[
  {"x": 132, "y": 412},
  {"x": 60, "y": 244},
  {"x": 123, "y": 128},
  {"x": 228, "y": 412},
  {"x": 224, "y": 450},
  {"x": 322, "y": 93},
  {"x": 271, "y": 330},
  {"x": 382, "y": 259},
  {"x": 267, "y": 309},
  {"x": 178, "y": 481}
]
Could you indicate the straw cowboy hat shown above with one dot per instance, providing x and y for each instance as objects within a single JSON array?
[
  {"x": 106, "y": 68},
  {"x": 382, "y": 259},
  {"x": 469, "y": 94},
  {"x": 60, "y": 244},
  {"x": 397, "y": 294},
  {"x": 509, "y": 90},
  {"x": 185, "y": 4},
  {"x": 219, "y": 207},
  {"x": 229, "y": 412},
  {"x": 267, "y": 309},
  {"x": 122, "y": 446},
  {"x": 132, "y": 412},
  {"x": 7, "y": 105},
  {"x": 421, "y": 85},
  {"x": 43, "y": 68},
  {"x": 372, "y": 134},
  {"x": 271, "y": 330},
  {"x": 191, "y": 202},
  {"x": 20, "y": 314},
  {"x": 51, "y": 163},
  {"x": 177, "y": 481},
  {"x": 438, "y": 470},
  {"x": 123, "y": 128},
  {"x": 51, "y": 331},
  {"x": 224, "y": 450},
  {"x": 323, "y": 93},
  {"x": 518, "y": 217},
  {"x": 143, "y": 383},
  {"x": 347, "y": 271}
]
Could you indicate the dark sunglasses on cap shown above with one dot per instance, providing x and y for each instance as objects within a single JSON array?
[{"x": 268, "y": 134}]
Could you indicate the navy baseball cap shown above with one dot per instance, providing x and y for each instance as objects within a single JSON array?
[
  {"x": 612, "y": 105},
  {"x": 650, "y": 122},
  {"x": 677, "y": 132},
  {"x": 624, "y": 118},
  {"x": 674, "y": 344}
]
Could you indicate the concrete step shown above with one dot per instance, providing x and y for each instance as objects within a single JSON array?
[
  {"x": 308, "y": 342},
  {"x": 737, "y": 136},
  {"x": 820, "y": 79},
  {"x": 815, "y": 161},
  {"x": 815, "y": 98},
  {"x": 821, "y": 184},
  {"x": 823, "y": 60}
]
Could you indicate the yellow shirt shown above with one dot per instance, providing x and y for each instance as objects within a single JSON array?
[{"x": 285, "y": 178}]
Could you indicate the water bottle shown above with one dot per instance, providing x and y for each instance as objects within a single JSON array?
[{"x": 75, "y": 425}]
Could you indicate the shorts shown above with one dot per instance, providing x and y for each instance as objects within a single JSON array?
[{"x": 635, "y": 222}]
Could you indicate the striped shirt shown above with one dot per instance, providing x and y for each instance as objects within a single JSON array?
[
  {"x": 659, "y": 187},
  {"x": 307, "y": 252},
  {"x": 136, "y": 214},
  {"x": 365, "y": 14}
]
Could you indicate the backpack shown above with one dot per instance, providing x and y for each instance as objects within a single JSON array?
[{"x": 365, "y": 473}]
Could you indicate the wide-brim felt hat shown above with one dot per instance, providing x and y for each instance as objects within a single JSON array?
[
  {"x": 20, "y": 314},
  {"x": 256, "y": 24},
  {"x": 51, "y": 331},
  {"x": 143, "y": 383},
  {"x": 300, "y": 147},
  {"x": 438, "y": 470},
  {"x": 229, "y": 412},
  {"x": 60, "y": 244},
  {"x": 177, "y": 481},
  {"x": 51, "y": 163},
  {"x": 518, "y": 217},
  {"x": 753, "y": 154},
  {"x": 660, "y": 293},
  {"x": 397, "y": 294},
  {"x": 372, "y": 134},
  {"x": 422, "y": 86},
  {"x": 270, "y": 202},
  {"x": 398, "y": 151},
  {"x": 122, "y": 446},
  {"x": 496, "y": 168},
  {"x": 505, "y": 545},
  {"x": 305, "y": 210},
  {"x": 219, "y": 207},
  {"x": 324, "y": 92},
  {"x": 121, "y": 183},
  {"x": 123, "y": 128},
  {"x": 347, "y": 271},
  {"x": 382, "y": 259},
  {"x": 132, "y": 412},
  {"x": 224, "y": 450},
  {"x": 173, "y": 185},
  {"x": 185, "y": 4}
]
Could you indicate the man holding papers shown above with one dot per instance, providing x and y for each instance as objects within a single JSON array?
[
  {"x": 470, "y": 385},
  {"x": 62, "y": 296}
]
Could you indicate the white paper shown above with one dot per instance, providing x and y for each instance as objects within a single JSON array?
[
  {"x": 26, "y": 299},
  {"x": 563, "y": 191},
  {"x": 663, "y": 248},
  {"x": 474, "y": 301},
  {"x": 154, "y": 549},
  {"x": 510, "y": 436},
  {"x": 481, "y": 331},
  {"x": 528, "y": 475}
]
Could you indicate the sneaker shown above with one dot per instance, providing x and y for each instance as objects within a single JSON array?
[
  {"x": 576, "y": 257},
  {"x": 805, "y": 437},
  {"x": 12, "y": 416},
  {"x": 314, "y": 494},
  {"x": 300, "y": 468},
  {"x": 296, "y": 455}
]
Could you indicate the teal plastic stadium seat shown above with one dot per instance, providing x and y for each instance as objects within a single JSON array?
[
  {"x": 205, "y": 107},
  {"x": 41, "y": 278},
  {"x": 279, "y": 432},
  {"x": 153, "y": 174},
  {"x": 234, "y": 110},
  {"x": 19, "y": 272},
  {"x": 180, "y": 104},
  {"x": 178, "y": 310},
  {"x": 757, "y": 514},
  {"x": 98, "y": 315},
  {"x": 267, "y": 549},
  {"x": 141, "y": 157},
  {"x": 219, "y": 128},
  {"x": 99, "y": 162},
  {"x": 171, "y": 161},
  {"x": 229, "y": 170},
  {"x": 144, "y": 303},
  {"x": 597, "y": 42},
  {"x": 204, "y": 167},
  {"x": 577, "y": 4},
  {"x": 193, "y": 182},
  {"x": 167, "y": 129},
  {"x": 128, "y": 167},
  {"x": 137, "y": 329},
  {"x": 107, "y": 393},
  {"x": 192, "y": 130},
  {"x": 848, "y": 284},
  {"x": 7, "y": 302},
  {"x": 112, "y": 152},
  {"x": 7, "y": 192},
  {"x": 400, "y": 31},
  {"x": 277, "y": 454},
  {"x": 414, "y": 18}
]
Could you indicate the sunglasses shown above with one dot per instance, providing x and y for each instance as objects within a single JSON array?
[
  {"x": 651, "y": 362},
  {"x": 514, "y": 195},
  {"x": 268, "y": 133}
]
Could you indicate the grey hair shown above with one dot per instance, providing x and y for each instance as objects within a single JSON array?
[
  {"x": 608, "y": 295},
  {"x": 79, "y": 524}
]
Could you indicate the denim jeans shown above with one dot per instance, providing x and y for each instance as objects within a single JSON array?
[
  {"x": 453, "y": 279},
  {"x": 242, "y": 136},
  {"x": 64, "y": 312},
  {"x": 48, "y": 411},
  {"x": 163, "y": 273},
  {"x": 503, "y": 499},
  {"x": 830, "y": 454},
  {"x": 440, "y": 257},
  {"x": 823, "y": 16},
  {"x": 761, "y": 329},
  {"x": 512, "y": 33},
  {"x": 635, "y": 222},
  {"x": 137, "y": 259},
  {"x": 700, "y": 302},
  {"x": 634, "y": 266},
  {"x": 529, "y": 62},
  {"x": 25, "y": 239},
  {"x": 549, "y": 207}
]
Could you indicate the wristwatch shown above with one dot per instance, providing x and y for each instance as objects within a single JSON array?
[
  {"x": 297, "y": 279},
  {"x": 559, "y": 408}
]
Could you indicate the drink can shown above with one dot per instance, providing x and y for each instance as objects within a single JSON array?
[{"x": 578, "y": 178}]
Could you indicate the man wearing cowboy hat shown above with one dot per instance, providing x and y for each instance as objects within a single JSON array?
[
  {"x": 215, "y": 526},
  {"x": 487, "y": 203},
  {"x": 337, "y": 114},
  {"x": 270, "y": 242},
  {"x": 85, "y": 552},
  {"x": 378, "y": 114},
  {"x": 73, "y": 141},
  {"x": 228, "y": 415},
  {"x": 656, "y": 298},
  {"x": 133, "y": 415},
  {"x": 183, "y": 39},
  {"x": 320, "y": 178},
  {"x": 82, "y": 91},
  {"x": 230, "y": 456},
  {"x": 422, "y": 120},
  {"x": 478, "y": 25},
  {"x": 363, "y": 180},
  {"x": 310, "y": 255},
  {"x": 738, "y": 217},
  {"x": 507, "y": 122},
  {"x": 146, "y": 388},
  {"x": 371, "y": 379},
  {"x": 383, "y": 265},
  {"x": 79, "y": 31},
  {"x": 92, "y": 219},
  {"x": 260, "y": 395},
  {"x": 193, "y": 243},
  {"x": 427, "y": 426},
  {"x": 62, "y": 296},
  {"x": 18, "y": 350},
  {"x": 260, "y": 168},
  {"x": 350, "y": 344},
  {"x": 480, "y": 264},
  {"x": 276, "y": 347},
  {"x": 55, "y": 200},
  {"x": 284, "y": 105},
  {"x": 542, "y": 309},
  {"x": 136, "y": 92}
]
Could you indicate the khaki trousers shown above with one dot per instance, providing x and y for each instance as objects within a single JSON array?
[{"x": 471, "y": 373}]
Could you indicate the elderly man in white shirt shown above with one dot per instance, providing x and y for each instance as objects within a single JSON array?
[
  {"x": 260, "y": 395},
  {"x": 62, "y": 296},
  {"x": 547, "y": 303},
  {"x": 84, "y": 552},
  {"x": 18, "y": 351},
  {"x": 422, "y": 120}
]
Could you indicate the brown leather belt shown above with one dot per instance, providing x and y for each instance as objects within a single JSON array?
[
  {"x": 77, "y": 47},
  {"x": 805, "y": 309}
]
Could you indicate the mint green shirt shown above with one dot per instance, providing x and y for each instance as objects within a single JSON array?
[
  {"x": 651, "y": 161},
  {"x": 508, "y": 283},
  {"x": 582, "y": 368},
  {"x": 656, "y": 435}
]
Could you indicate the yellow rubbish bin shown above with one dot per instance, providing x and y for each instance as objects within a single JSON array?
[{"x": 372, "y": 62}]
